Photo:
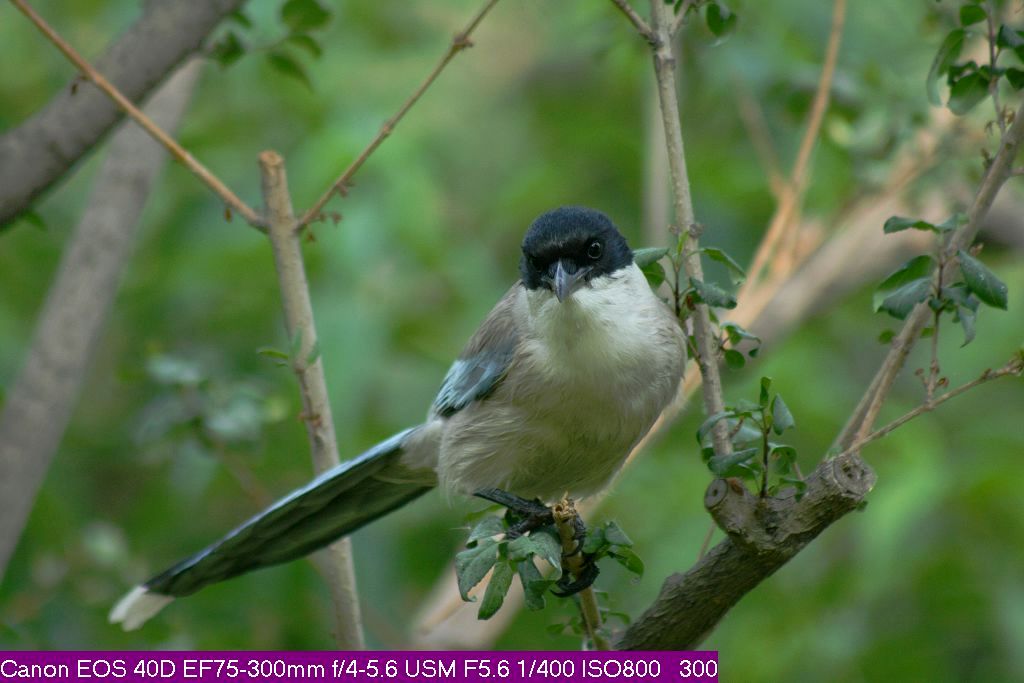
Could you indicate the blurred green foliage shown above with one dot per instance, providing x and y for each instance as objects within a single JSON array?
[{"x": 551, "y": 106}]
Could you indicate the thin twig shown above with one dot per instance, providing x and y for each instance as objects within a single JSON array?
[
  {"x": 1014, "y": 367},
  {"x": 792, "y": 196},
  {"x": 638, "y": 22},
  {"x": 680, "y": 18},
  {"x": 867, "y": 410},
  {"x": 460, "y": 41},
  {"x": 757, "y": 128},
  {"x": 707, "y": 358},
  {"x": 147, "y": 124},
  {"x": 336, "y": 561},
  {"x": 572, "y": 560},
  {"x": 993, "y": 56}
]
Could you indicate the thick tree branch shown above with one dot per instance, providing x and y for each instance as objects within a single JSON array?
[
  {"x": 763, "y": 534},
  {"x": 336, "y": 560},
  {"x": 38, "y": 153},
  {"x": 460, "y": 41},
  {"x": 41, "y": 399},
  {"x": 176, "y": 150}
]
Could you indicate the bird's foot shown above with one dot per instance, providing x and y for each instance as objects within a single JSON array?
[
  {"x": 567, "y": 586},
  {"x": 524, "y": 515}
]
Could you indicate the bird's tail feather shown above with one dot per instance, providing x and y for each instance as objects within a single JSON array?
[{"x": 335, "y": 504}]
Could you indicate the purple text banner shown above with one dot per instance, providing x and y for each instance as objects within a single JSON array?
[{"x": 358, "y": 667}]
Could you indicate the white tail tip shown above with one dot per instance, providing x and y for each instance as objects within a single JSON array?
[{"x": 136, "y": 608}]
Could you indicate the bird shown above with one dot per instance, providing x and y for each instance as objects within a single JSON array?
[{"x": 566, "y": 374}]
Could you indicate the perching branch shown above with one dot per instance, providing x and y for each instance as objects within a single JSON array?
[
  {"x": 1001, "y": 168},
  {"x": 336, "y": 561},
  {"x": 460, "y": 41},
  {"x": 42, "y": 397},
  {"x": 638, "y": 22},
  {"x": 40, "y": 151},
  {"x": 172, "y": 146},
  {"x": 704, "y": 334},
  {"x": 565, "y": 515}
]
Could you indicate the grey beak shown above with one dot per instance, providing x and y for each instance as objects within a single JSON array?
[{"x": 565, "y": 282}]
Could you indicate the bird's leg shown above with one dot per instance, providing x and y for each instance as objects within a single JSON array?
[
  {"x": 576, "y": 563},
  {"x": 524, "y": 515}
]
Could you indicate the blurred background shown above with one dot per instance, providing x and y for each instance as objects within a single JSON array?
[{"x": 183, "y": 428}]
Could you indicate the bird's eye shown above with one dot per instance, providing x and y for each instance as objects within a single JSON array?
[{"x": 594, "y": 250}]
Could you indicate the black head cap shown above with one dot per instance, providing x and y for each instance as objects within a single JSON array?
[{"x": 584, "y": 240}]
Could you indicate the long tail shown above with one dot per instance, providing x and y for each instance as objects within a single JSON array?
[{"x": 333, "y": 505}]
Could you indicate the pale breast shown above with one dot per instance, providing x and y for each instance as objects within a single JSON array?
[{"x": 588, "y": 381}]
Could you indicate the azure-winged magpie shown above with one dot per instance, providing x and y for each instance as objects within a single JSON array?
[{"x": 565, "y": 375}]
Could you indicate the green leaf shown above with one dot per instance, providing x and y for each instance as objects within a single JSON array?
[
  {"x": 287, "y": 65},
  {"x": 955, "y": 221},
  {"x": 972, "y": 14},
  {"x": 784, "y": 456},
  {"x": 967, "y": 92},
  {"x": 782, "y": 419},
  {"x": 724, "y": 465},
  {"x": 548, "y": 547},
  {"x": 1015, "y": 77},
  {"x": 228, "y": 50},
  {"x": 737, "y": 334},
  {"x": 614, "y": 534},
  {"x": 947, "y": 54},
  {"x": 1009, "y": 38},
  {"x": 630, "y": 560},
  {"x": 488, "y": 527},
  {"x": 905, "y": 287},
  {"x": 720, "y": 20},
  {"x": 712, "y": 294},
  {"x": 534, "y": 585},
  {"x": 797, "y": 483},
  {"x": 734, "y": 359},
  {"x": 982, "y": 281},
  {"x": 966, "y": 317},
  {"x": 472, "y": 565},
  {"x": 240, "y": 18},
  {"x": 765, "y": 392},
  {"x": 886, "y": 336},
  {"x": 497, "y": 587},
  {"x": 648, "y": 255},
  {"x": 271, "y": 352},
  {"x": 304, "y": 15},
  {"x": 736, "y": 273},
  {"x": 706, "y": 427},
  {"x": 307, "y": 43},
  {"x": 655, "y": 274},
  {"x": 899, "y": 223}
]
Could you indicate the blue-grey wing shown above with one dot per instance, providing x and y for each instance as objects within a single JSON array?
[{"x": 484, "y": 362}]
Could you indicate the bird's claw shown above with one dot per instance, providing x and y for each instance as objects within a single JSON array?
[{"x": 524, "y": 515}]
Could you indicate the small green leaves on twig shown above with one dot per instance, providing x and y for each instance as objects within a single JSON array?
[{"x": 751, "y": 426}]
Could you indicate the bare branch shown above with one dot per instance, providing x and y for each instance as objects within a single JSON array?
[
  {"x": 1013, "y": 368},
  {"x": 782, "y": 222},
  {"x": 707, "y": 346},
  {"x": 335, "y": 561},
  {"x": 459, "y": 43},
  {"x": 176, "y": 150},
  {"x": 638, "y": 22},
  {"x": 41, "y": 399},
  {"x": 38, "y": 152}
]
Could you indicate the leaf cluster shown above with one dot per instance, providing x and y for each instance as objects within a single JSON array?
[
  {"x": 755, "y": 456},
  {"x": 489, "y": 549},
  {"x": 301, "y": 20}
]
